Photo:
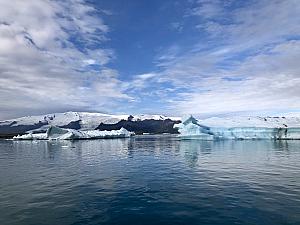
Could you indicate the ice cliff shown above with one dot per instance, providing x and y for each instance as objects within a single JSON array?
[{"x": 280, "y": 128}]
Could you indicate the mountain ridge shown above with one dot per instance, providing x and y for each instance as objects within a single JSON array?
[{"x": 85, "y": 121}]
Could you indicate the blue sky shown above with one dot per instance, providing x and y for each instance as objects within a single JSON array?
[{"x": 204, "y": 57}]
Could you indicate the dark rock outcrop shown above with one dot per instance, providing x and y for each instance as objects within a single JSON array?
[
  {"x": 143, "y": 126},
  {"x": 72, "y": 125},
  {"x": 10, "y": 130}
]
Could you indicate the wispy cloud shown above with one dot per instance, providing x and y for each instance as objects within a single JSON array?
[{"x": 247, "y": 61}]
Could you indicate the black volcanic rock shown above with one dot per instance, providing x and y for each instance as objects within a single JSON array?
[
  {"x": 143, "y": 126},
  {"x": 7, "y": 131},
  {"x": 10, "y": 130},
  {"x": 72, "y": 125}
]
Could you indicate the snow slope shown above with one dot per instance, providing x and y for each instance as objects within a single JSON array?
[
  {"x": 254, "y": 121},
  {"x": 88, "y": 120}
]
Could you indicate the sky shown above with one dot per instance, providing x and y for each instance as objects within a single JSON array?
[{"x": 202, "y": 57}]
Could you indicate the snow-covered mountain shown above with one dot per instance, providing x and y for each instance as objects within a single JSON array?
[
  {"x": 74, "y": 120},
  {"x": 136, "y": 123}
]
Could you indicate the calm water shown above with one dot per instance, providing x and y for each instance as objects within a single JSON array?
[{"x": 149, "y": 180}]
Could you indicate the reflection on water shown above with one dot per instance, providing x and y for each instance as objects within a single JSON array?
[
  {"x": 192, "y": 148},
  {"x": 149, "y": 180}
]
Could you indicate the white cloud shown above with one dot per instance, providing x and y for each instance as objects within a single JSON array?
[
  {"x": 90, "y": 62},
  {"x": 256, "y": 24},
  {"x": 41, "y": 69},
  {"x": 270, "y": 81},
  {"x": 249, "y": 62},
  {"x": 208, "y": 8}
]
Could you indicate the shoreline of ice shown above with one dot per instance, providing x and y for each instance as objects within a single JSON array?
[{"x": 56, "y": 133}]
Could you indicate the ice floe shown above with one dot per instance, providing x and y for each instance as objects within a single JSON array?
[{"x": 56, "y": 133}]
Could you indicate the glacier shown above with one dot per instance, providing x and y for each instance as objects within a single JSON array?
[
  {"x": 140, "y": 123},
  {"x": 87, "y": 120},
  {"x": 277, "y": 128},
  {"x": 56, "y": 133}
]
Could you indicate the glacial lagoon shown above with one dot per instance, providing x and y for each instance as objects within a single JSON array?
[{"x": 149, "y": 180}]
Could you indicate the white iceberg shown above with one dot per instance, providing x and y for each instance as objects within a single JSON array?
[
  {"x": 238, "y": 128},
  {"x": 56, "y": 133},
  {"x": 192, "y": 129}
]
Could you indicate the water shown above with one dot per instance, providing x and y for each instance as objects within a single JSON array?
[{"x": 149, "y": 180}]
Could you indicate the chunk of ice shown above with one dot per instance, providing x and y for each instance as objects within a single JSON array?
[{"x": 56, "y": 133}]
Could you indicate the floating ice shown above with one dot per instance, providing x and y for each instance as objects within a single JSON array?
[
  {"x": 255, "y": 128},
  {"x": 56, "y": 133}
]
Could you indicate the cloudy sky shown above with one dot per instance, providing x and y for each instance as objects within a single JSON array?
[{"x": 205, "y": 57}]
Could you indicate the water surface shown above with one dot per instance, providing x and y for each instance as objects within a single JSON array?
[{"x": 149, "y": 180}]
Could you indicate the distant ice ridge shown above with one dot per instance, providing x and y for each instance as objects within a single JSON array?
[
  {"x": 280, "y": 128},
  {"x": 56, "y": 133},
  {"x": 86, "y": 120}
]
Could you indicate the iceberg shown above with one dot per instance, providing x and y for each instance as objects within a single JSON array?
[
  {"x": 56, "y": 133},
  {"x": 192, "y": 129},
  {"x": 255, "y": 128}
]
